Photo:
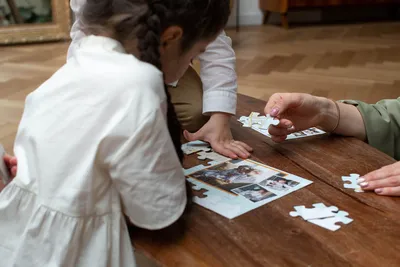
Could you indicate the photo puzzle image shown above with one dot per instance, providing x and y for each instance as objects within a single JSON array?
[{"x": 235, "y": 187}]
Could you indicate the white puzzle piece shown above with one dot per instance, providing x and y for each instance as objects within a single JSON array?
[
  {"x": 330, "y": 223},
  {"x": 5, "y": 174},
  {"x": 319, "y": 211},
  {"x": 268, "y": 121},
  {"x": 353, "y": 182},
  {"x": 193, "y": 169},
  {"x": 262, "y": 123},
  {"x": 195, "y": 146},
  {"x": 212, "y": 156}
]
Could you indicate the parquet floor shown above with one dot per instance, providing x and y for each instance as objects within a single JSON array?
[{"x": 342, "y": 61}]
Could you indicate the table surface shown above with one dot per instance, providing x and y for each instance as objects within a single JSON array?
[{"x": 268, "y": 235}]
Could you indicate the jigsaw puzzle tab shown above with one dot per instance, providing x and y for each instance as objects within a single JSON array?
[
  {"x": 195, "y": 146},
  {"x": 268, "y": 121},
  {"x": 330, "y": 223},
  {"x": 353, "y": 182},
  {"x": 198, "y": 191},
  {"x": 319, "y": 211},
  {"x": 215, "y": 157}
]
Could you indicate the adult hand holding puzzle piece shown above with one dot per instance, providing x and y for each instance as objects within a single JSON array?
[
  {"x": 299, "y": 112},
  {"x": 217, "y": 132},
  {"x": 350, "y": 118}
]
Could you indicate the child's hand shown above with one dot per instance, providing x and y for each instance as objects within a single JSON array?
[
  {"x": 385, "y": 181},
  {"x": 218, "y": 133},
  {"x": 11, "y": 163}
]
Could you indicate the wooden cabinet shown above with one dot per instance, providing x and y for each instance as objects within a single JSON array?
[{"x": 283, "y": 6}]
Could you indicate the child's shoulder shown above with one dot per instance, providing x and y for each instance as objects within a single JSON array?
[
  {"x": 140, "y": 80},
  {"x": 103, "y": 61},
  {"x": 142, "y": 74}
]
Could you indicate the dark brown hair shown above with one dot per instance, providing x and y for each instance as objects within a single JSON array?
[{"x": 145, "y": 20}]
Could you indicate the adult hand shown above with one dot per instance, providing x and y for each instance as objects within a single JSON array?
[
  {"x": 298, "y": 112},
  {"x": 11, "y": 164},
  {"x": 385, "y": 181},
  {"x": 218, "y": 133}
]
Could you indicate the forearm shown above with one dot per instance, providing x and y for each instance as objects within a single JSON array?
[
  {"x": 347, "y": 120},
  {"x": 218, "y": 76}
]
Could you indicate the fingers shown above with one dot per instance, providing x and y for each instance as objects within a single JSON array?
[
  {"x": 232, "y": 149},
  {"x": 280, "y": 132},
  {"x": 283, "y": 128},
  {"x": 383, "y": 172},
  {"x": 279, "y": 139},
  {"x": 244, "y": 145},
  {"x": 388, "y": 191},
  {"x": 238, "y": 149},
  {"x": 391, "y": 181},
  {"x": 221, "y": 149},
  {"x": 14, "y": 171},
  {"x": 11, "y": 163},
  {"x": 192, "y": 136},
  {"x": 278, "y": 103}
]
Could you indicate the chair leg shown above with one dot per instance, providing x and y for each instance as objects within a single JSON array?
[
  {"x": 285, "y": 22},
  {"x": 266, "y": 16}
]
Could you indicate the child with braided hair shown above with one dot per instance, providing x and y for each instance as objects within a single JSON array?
[
  {"x": 204, "y": 99},
  {"x": 100, "y": 139}
]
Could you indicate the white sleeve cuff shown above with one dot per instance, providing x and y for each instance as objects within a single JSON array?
[{"x": 219, "y": 101}]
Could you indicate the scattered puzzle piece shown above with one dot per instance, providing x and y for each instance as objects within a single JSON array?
[
  {"x": 212, "y": 156},
  {"x": 195, "y": 146},
  {"x": 353, "y": 182},
  {"x": 319, "y": 211},
  {"x": 330, "y": 223}
]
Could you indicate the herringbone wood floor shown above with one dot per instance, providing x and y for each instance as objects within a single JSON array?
[{"x": 344, "y": 61}]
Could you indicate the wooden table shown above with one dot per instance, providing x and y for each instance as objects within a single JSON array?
[{"x": 268, "y": 236}]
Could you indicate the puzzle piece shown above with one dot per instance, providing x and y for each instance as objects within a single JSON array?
[
  {"x": 252, "y": 116},
  {"x": 212, "y": 156},
  {"x": 353, "y": 182},
  {"x": 319, "y": 211},
  {"x": 198, "y": 191},
  {"x": 193, "y": 169},
  {"x": 5, "y": 174},
  {"x": 268, "y": 121},
  {"x": 195, "y": 146},
  {"x": 330, "y": 223}
]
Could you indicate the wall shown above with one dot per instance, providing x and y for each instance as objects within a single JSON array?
[{"x": 250, "y": 14}]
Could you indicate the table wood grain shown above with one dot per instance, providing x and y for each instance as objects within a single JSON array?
[{"x": 268, "y": 236}]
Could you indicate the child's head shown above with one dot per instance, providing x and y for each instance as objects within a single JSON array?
[{"x": 165, "y": 33}]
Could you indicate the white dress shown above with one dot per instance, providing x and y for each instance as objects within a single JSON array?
[{"x": 92, "y": 145}]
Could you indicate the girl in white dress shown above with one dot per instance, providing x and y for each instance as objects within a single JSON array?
[{"x": 94, "y": 143}]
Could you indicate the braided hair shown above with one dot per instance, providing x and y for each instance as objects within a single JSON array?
[{"x": 145, "y": 20}]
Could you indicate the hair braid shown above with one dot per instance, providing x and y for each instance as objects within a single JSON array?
[{"x": 148, "y": 35}]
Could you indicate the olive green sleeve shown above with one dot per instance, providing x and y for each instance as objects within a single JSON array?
[{"x": 382, "y": 124}]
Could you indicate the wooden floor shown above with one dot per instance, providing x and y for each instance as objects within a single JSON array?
[{"x": 343, "y": 61}]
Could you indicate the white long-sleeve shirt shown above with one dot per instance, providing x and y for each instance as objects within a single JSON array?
[{"x": 217, "y": 71}]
